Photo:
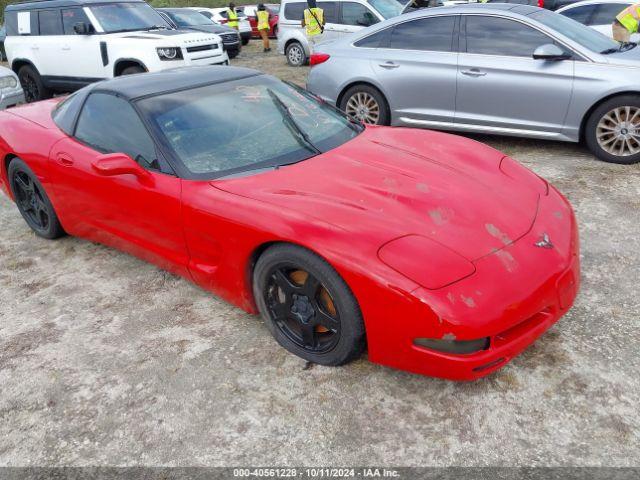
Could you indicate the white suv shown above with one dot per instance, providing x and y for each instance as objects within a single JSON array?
[
  {"x": 62, "y": 45},
  {"x": 219, "y": 15},
  {"x": 341, "y": 17}
]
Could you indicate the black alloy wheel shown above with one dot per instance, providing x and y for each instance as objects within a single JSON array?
[
  {"x": 32, "y": 85},
  {"x": 307, "y": 306}
]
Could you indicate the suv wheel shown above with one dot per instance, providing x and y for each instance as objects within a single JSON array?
[
  {"x": 612, "y": 131},
  {"x": 32, "y": 84},
  {"x": 367, "y": 104},
  {"x": 295, "y": 54},
  {"x": 134, "y": 69}
]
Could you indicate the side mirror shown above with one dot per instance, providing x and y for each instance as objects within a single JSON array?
[
  {"x": 550, "y": 52},
  {"x": 113, "y": 164},
  {"x": 82, "y": 28}
]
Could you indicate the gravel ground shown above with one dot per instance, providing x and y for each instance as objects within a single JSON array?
[{"x": 106, "y": 360}]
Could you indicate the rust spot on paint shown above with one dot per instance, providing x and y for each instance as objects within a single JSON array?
[
  {"x": 468, "y": 301},
  {"x": 448, "y": 336},
  {"x": 439, "y": 216},
  {"x": 497, "y": 233},
  {"x": 451, "y": 297},
  {"x": 558, "y": 215},
  {"x": 509, "y": 263},
  {"x": 422, "y": 187}
]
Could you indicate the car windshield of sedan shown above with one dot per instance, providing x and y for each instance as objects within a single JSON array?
[
  {"x": 127, "y": 17},
  {"x": 245, "y": 125},
  {"x": 387, "y": 8},
  {"x": 189, "y": 19},
  {"x": 588, "y": 37}
]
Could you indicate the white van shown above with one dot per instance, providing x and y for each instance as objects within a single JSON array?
[
  {"x": 341, "y": 17},
  {"x": 62, "y": 45}
]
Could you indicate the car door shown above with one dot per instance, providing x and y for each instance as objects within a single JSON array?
[
  {"x": 416, "y": 64},
  {"x": 501, "y": 87},
  {"x": 355, "y": 16},
  {"x": 88, "y": 54},
  {"x": 331, "y": 16},
  {"x": 137, "y": 214},
  {"x": 48, "y": 43}
]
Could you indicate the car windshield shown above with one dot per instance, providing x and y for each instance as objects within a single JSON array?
[
  {"x": 127, "y": 17},
  {"x": 243, "y": 125},
  {"x": 579, "y": 33},
  {"x": 189, "y": 18},
  {"x": 387, "y": 8}
]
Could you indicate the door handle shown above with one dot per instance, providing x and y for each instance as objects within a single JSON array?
[
  {"x": 66, "y": 47},
  {"x": 474, "y": 72},
  {"x": 389, "y": 65},
  {"x": 65, "y": 160}
]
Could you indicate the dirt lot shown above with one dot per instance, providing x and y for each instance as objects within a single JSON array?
[{"x": 106, "y": 360}]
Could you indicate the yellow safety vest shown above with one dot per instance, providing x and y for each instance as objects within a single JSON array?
[
  {"x": 263, "y": 19},
  {"x": 232, "y": 18},
  {"x": 629, "y": 17},
  {"x": 311, "y": 24}
]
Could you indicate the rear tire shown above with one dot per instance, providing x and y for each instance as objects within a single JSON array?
[
  {"x": 32, "y": 84},
  {"x": 32, "y": 201},
  {"x": 295, "y": 54},
  {"x": 367, "y": 104},
  {"x": 307, "y": 306},
  {"x": 612, "y": 131}
]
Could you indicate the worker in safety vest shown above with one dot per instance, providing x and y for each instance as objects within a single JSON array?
[
  {"x": 313, "y": 22},
  {"x": 232, "y": 16},
  {"x": 262, "y": 17},
  {"x": 626, "y": 23}
]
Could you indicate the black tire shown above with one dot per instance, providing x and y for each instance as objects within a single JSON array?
[
  {"x": 245, "y": 40},
  {"x": 32, "y": 201},
  {"x": 343, "y": 338},
  {"x": 132, "y": 70},
  {"x": 384, "y": 113},
  {"x": 295, "y": 54},
  {"x": 600, "y": 124},
  {"x": 32, "y": 84}
]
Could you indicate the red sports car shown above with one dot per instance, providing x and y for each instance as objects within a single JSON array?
[
  {"x": 440, "y": 255},
  {"x": 274, "y": 11}
]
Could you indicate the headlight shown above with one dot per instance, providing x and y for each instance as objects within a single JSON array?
[
  {"x": 425, "y": 261},
  {"x": 170, "y": 53},
  {"x": 8, "y": 82}
]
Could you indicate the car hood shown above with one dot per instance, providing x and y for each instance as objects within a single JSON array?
[
  {"x": 217, "y": 29},
  {"x": 389, "y": 182},
  {"x": 181, "y": 36},
  {"x": 627, "y": 58}
]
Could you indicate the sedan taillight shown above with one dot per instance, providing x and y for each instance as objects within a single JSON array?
[{"x": 318, "y": 58}]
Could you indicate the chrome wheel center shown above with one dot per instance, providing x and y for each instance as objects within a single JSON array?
[{"x": 618, "y": 131}]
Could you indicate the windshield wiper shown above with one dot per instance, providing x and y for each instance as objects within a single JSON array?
[
  {"x": 157, "y": 27},
  {"x": 623, "y": 47},
  {"x": 298, "y": 132}
]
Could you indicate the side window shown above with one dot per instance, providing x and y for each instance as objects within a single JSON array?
[
  {"x": 582, "y": 14},
  {"x": 11, "y": 23},
  {"x": 294, "y": 10},
  {"x": 606, "y": 13},
  {"x": 209, "y": 15},
  {"x": 72, "y": 16},
  {"x": 376, "y": 40},
  {"x": 50, "y": 22},
  {"x": 111, "y": 125},
  {"x": 433, "y": 34},
  {"x": 357, "y": 14},
  {"x": 330, "y": 11},
  {"x": 501, "y": 36}
]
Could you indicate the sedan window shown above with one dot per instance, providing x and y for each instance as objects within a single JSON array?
[
  {"x": 580, "y": 14},
  {"x": 431, "y": 33},
  {"x": 606, "y": 13},
  {"x": 501, "y": 36},
  {"x": 111, "y": 125}
]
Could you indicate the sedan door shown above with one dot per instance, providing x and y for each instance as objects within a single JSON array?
[
  {"x": 416, "y": 64},
  {"x": 135, "y": 211},
  {"x": 502, "y": 88}
]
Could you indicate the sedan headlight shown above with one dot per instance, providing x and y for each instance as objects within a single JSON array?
[
  {"x": 8, "y": 82},
  {"x": 170, "y": 53}
]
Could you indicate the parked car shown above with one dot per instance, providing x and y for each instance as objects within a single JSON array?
[
  {"x": 597, "y": 14},
  {"x": 326, "y": 228},
  {"x": 11, "y": 93},
  {"x": 341, "y": 18},
  {"x": 3, "y": 36},
  {"x": 503, "y": 69},
  {"x": 250, "y": 12},
  {"x": 187, "y": 19},
  {"x": 219, "y": 15},
  {"x": 59, "y": 46}
]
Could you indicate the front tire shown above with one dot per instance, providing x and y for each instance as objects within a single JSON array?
[
  {"x": 612, "y": 131},
  {"x": 367, "y": 104},
  {"x": 295, "y": 54},
  {"x": 32, "y": 84},
  {"x": 307, "y": 306},
  {"x": 32, "y": 201}
]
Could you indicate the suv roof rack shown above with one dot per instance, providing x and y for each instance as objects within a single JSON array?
[{"x": 25, "y": 4}]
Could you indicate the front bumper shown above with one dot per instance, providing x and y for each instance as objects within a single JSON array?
[
  {"x": 515, "y": 296},
  {"x": 11, "y": 97}
]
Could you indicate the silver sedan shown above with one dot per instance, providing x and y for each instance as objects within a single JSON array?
[
  {"x": 10, "y": 90},
  {"x": 491, "y": 68}
]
